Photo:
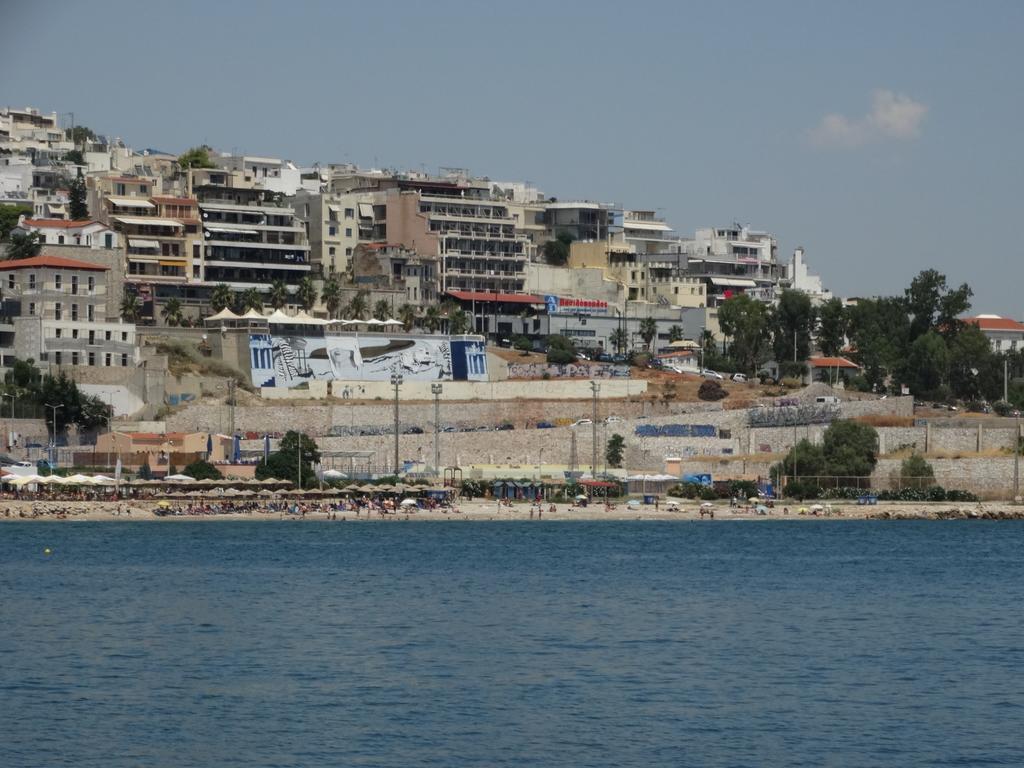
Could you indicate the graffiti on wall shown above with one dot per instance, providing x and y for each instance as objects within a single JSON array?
[
  {"x": 568, "y": 371},
  {"x": 289, "y": 361},
  {"x": 676, "y": 430}
]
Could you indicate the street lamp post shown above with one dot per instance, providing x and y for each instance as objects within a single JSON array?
[
  {"x": 53, "y": 425},
  {"x": 1016, "y": 458},
  {"x": 594, "y": 388},
  {"x": 540, "y": 464},
  {"x": 10, "y": 428},
  {"x": 396, "y": 382},
  {"x": 435, "y": 390}
]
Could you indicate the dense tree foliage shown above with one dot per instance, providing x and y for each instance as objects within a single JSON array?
[
  {"x": 296, "y": 449},
  {"x": 614, "y": 450},
  {"x": 22, "y": 245},
  {"x": 78, "y": 209},
  {"x": 203, "y": 470},
  {"x": 556, "y": 251},
  {"x": 744, "y": 322},
  {"x": 27, "y": 383},
  {"x": 560, "y": 350}
]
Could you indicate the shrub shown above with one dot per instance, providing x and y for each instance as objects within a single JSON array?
[
  {"x": 1002, "y": 408},
  {"x": 560, "y": 350},
  {"x": 685, "y": 491},
  {"x": 711, "y": 390},
  {"x": 790, "y": 383},
  {"x": 792, "y": 370},
  {"x": 803, "y": 489},
  {"x": 708, "y": 494},
  {"x": 915, "y": 468}
]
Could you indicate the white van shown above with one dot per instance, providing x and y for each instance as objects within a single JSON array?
[{"x": 826, "y": 400}]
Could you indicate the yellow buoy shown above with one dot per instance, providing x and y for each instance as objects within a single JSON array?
[{"x": 46, "y": 551}]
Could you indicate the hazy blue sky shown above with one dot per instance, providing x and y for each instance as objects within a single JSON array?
[{"x": 884, "y": 137}]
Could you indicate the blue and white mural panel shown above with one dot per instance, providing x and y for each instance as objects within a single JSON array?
[{"x": 288, "y": 361}]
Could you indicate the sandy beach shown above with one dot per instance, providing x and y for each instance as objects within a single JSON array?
[{"x": 489, "y": 510}]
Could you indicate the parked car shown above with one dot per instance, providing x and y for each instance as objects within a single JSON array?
[
  {"x": 582, "y": 422},
  {"x": 604, "y": 357},
  {"x": 707, "y": 373},
  {"x": 740, "y": 378},
  {"x": 545, "y": 425},
  {"x": 449, "y": 428},
  {"x": 505, "y": 427},
  {"x": 613, "y": 419},
  {"x": 620, "y": 359},
  {"x": 413, "y": 430}
]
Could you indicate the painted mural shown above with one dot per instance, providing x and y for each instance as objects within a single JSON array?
[{"x": 289, "y": 361}]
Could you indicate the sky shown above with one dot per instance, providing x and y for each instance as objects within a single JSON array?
[{"x": 883, "y": 137}]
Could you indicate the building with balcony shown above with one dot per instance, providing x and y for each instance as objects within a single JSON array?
[
  {"x": 27, "y": 130},
  {"x": 734, "y": 259},
  {"x": 1004, "y": 333},
  {"x": 90, "y": 234},
  {"x": 581, "y": 219},
  {"x": 409, "y": 278},
  {"x": 55, "y": 311},
  {"x": 337, "y": 223},
  {"x": 647, "y": 233},
  {"x": 660, "y": 279}
]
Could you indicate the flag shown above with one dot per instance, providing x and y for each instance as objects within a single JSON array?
[
  {"x": 209, "y": 445},
  {"x": 266, "y": 448},
  {"x": 117, "y": 470},
  {"x": 236, "y": 449}
]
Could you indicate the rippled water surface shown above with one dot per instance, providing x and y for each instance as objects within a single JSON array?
[{"x": 500, "y": 644}]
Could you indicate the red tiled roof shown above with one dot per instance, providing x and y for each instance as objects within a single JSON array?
[
  {"x": 508, "y": 298},
  {"x": 58, "y": 223},
  {"x": 996, "y": 324},
  {"x": 55, "y": 262},
  {"x": 832, "y": 362}
]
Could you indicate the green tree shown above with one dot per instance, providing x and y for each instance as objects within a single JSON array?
[
  {"x": 933, "y": 306},
  {"x": 926, "y": 365},
  {"x": 196, "y": 157},
  {"x": 458, "y": 323},
  {"x": 850, "y": 448},
  {"x": 331, "y": 296},
  {"x": 131, "y": 307},
  {"x": 381, "y": 310},
  {"x": 916, "y": 472},
  {"x": 556, "y": 251},
  {"x": 975, "y": 371},
  {"x": 359, "y": 305},
  {"x": 648, "y": 331},
  {"x": 407, "y": 314},
  {"x": 77, "y": 207},
  {"x": 745, "y": 322},
  {"x": 203, "y": 470},
  {"x": 145, "y": 473},
  {"x": 24, "y": 245},
  {"x": 432, "y": 318},
  {"x": 250, "y": 298},
  {"x": 278, "y": 296},
  {"x": 560, "y": 350},
  {"x": 675, "y": 333},
  {"x": 80, "y": 134},
  {"x": 171, "y": 312},
  {"x": 792, "y": 322},
  {"x": 614, "y": 450},
  {"x": 306, "y": 293},
  {"x": 523, "y": 344},
  {"x": 221, "y": 297},
  {"x": 803, "y": 460},
  {"x": 831, "y": 333},
  {"x": 85, "y": 411},
  {"x": 880, "y": 333},
  {"x": 9, "y": 215},
  {"x": 75, "y": 157},
  {"x": 618, "y": 339},
  {"x": 296, "y": 449}
]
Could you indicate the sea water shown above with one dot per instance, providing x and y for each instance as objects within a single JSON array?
[{"x": 804, "y": 643}]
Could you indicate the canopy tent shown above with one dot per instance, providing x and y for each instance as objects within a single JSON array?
[{"x": 224, "y": 314}]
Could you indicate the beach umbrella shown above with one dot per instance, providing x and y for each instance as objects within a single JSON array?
[
  {"x": 761, "y": 509},
  {"x": 179, "y": 479},
  {"x": 163, "y": 504},
  {"x": 334, "y": 474},
  {"x": 408, "y": 503},
  {"x": 103, "y": 480}
]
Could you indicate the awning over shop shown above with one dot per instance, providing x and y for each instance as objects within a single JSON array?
[
  {"x": 733, "y": 282},
  {"x": 148, "y": 245}
]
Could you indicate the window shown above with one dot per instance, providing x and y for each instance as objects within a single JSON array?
[
  {"x": 56, "y": 357},
  {"x": 106, "y": 336},
  {"x": 90, "y": 313},
  {"x": 74, "y": 333},
  {"x": 60, "y": 239},
  {"x": 74, "y": 311},
  {"x": 57, "y": 311},
  {"x": 92, "y": 337},
  {"x": 74, "y": 358},
  {"x": 92, "y": 284},
  {"x": 10, "y": 281},
  {"x": 107, "y": 360},
  {"x": 332, "y": 230},
  {"x": 32, "y": 282},
  {"x": 32, "y": 308},
  {"x": 124, "y": 361},
  {"x": 143, "y": 189},
  {"x": 108, "y": 240},
  {"x": 350, "y": 213},
  {"x": 57, "y": 332},
  {"x": 348, "y": 231},
  {"x": 74, "y": 284},
  {"x": 330, "y": 250},
  {"x": 92, "y": 358},
  {"x": 348, "y": 251},
  {"x": 124, "y": 336},
  {"x": 57, "y": 281},
  {"x": 119, "y": 189}
]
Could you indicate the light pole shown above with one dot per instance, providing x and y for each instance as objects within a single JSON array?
[
  {"x": 10, "y": 428},
  {"x": 540, "y": 464},
  {"x": 594, "y": 388},
  {"x": 1016, "y": 458},
  {"x": 53, "y": 440},
  {"x": 298, "y": 450},
  {"x": 435, "y": 390},
  {"x": 396, "y": 382}
]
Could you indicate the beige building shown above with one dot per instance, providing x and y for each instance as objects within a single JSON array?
[
  {"x": 337, "y": 223},
  {"x": 656, "y": 280}
]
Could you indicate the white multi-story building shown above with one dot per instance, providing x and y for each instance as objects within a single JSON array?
[
  {"x": 796, "y": 276},
  {"x": 91, "y": 234},
  {"x": 733, "y": 259},
  {"x": 1005, "y": 334},
  {"x": 337, "y": 223}
]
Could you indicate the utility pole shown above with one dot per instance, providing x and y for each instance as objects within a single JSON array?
[
  {"x": 1016, "y": 459},
  {"x": 794, "y": 344},
  {"x": 1006, "y": 380},
  {"x": 298, "y": 448},
  {"x": 231, "y": 407},
  {"x": 53, "y": 442},
  {"x": 435, "y": 390},
  {"x": 10, "y": 430},
  {"x": 396, "y": 382},
  {"x": 594, "y": 388}
]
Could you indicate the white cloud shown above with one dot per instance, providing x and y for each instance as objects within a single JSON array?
[{"x": 892, "y": 116}]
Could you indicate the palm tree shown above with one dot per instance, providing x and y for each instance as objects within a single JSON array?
[
  {"x": 131, "y": 308},
  {"x": 357, "y": 307},
  {"x": 407, "y": 314},
  {"x": 675, "y": 333},
  {"x": 432, "y": 318},
  {"x": 250, "y": 298},
  {"x": 331, "y": 297},
  {"x": 171, "y": 312},
  {"x": 618, "y": 340},
  {"x": 381, "y": 310},
  {"x": 278, "y": 294},
  {"x": 306, "y": 293},
  {"x": 458, "y": 323},
  {"x": 220, "y": 297},
  {"x": 648, "y": 330}
]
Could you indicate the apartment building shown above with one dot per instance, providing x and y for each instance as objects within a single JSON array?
[
  {"x": 734, "y": 259},
  {"x": 654, "y": 278},
  {"x": 271, "y": 173},
  {"x": 411, "y": 278},
  {"x": 1004, "y": 333},
  {"x": 28, "y": 130},
  {"x": 581, "y": 219},
  {"x": 91, "y": 234},
  {"x": 55, "y": 311},
  {"x": 647, "y": 233},
  {"x": 337, "y": 223},
  {"x": 797, "y": 276}
]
